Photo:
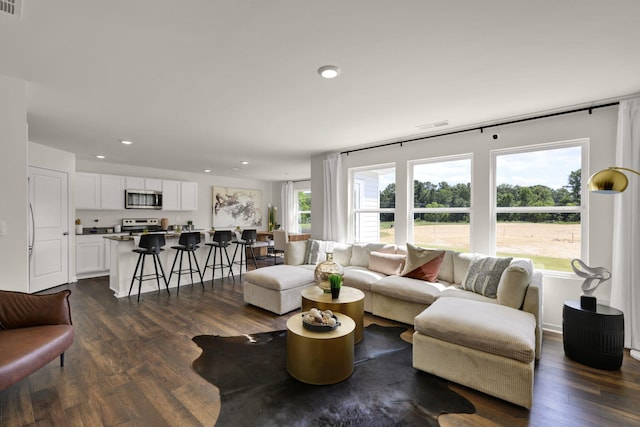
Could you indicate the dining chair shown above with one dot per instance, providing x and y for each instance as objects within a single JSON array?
[{"x": 280, "y": 238}]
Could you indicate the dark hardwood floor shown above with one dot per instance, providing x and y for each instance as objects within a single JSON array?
[{"x": 130, "y": 365}]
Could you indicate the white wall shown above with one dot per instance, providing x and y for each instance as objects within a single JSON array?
[
  {"x": 14, "y": 266},
  {"x": 599, "y": 127},
  {"x": 51, "y": 158}
]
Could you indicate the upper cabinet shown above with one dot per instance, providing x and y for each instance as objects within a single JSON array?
[
  {"x": 189, "y": 196},
  {"x": 87, "y": 191},
  {"x": 112, "y": 192},
  {"x": 95, "y": 191},
  {"x": 170, "y": 195},
  {"x": 179, "y": 195},
  {"x": 153, "y": 184},
  {"x": 106, "y": 192},
  {"x": 137, "y": 183}
]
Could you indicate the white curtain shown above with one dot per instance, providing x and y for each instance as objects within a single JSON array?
[
  {"x": 332, "y": 203},
  {"x": 625, "y": 274},
  {"x": 289, "y": 208}
]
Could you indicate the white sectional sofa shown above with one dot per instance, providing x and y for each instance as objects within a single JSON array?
[{"x": 484, "y": 340}]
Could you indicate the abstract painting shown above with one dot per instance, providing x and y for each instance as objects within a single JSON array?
[{"x": 236, "y": 207}]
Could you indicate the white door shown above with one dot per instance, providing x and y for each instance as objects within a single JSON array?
[{"x": 48, "y": 229}]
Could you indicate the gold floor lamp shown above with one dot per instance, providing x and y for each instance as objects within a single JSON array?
[{"x": 612, "y": 181}]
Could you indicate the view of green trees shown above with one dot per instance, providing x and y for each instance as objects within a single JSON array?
[
  {"x": 304, "y": 204},
  {"x": 442, "y": 195}
]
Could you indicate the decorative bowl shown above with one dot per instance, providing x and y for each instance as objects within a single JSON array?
[{"x": 316, "y": 327}]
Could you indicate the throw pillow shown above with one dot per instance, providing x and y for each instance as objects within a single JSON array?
[
  {"x": 423, "y": 264},
  {"x": 308, "y": 250},
  {"x": 514, "y": 283},
  {"x": 317, "y": 251},
  {"x": 483, "y": 275},
  {"x": 342, "y": 254},
  {"x": 385, "y": 263}
]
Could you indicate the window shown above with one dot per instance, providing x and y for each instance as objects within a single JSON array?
[
  {"x": 304, "y": 211},
  {"x": 539, "y": 211},
  {"x": 442, "y": 203},
  {"x": 374, "y": 202}
]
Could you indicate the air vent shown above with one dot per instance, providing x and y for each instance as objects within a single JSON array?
[
  {"x": 11, "y": 7},
  {"x": 434, "y": 125}
]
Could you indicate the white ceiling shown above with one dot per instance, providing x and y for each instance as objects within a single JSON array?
[{"x": 204, "y": 84}]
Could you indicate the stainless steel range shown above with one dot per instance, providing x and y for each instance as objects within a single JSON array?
[{"x": 132, "y": 225}]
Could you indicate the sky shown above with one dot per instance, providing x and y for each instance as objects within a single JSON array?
[{"x": 548, "y": 167}]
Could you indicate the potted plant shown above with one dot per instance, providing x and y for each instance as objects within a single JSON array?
[{"x": 336, "y": 283}]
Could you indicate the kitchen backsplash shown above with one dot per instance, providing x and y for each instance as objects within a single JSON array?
[{"x": 108, "y": 219}]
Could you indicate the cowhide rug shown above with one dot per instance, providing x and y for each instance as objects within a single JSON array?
[{"x": 384, "y": 390}]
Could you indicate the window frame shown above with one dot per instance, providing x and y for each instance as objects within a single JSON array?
[
  {"x": 412, "y": 210},
  {"x": 583, "y": 143},
  {"x": 298, "y": 212},
  {"x": 353, "y": 210}
]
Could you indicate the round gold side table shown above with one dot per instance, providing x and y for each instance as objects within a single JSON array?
[
  {"x": 350, "y": 302},
  {"x": 320, "y": 358}
]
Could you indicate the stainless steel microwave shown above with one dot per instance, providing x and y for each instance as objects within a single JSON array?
[{"x": 142, "y": 199}]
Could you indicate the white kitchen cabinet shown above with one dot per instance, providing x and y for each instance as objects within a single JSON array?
[
  {"x": 95, "y": 191},
  {"x": 138, "y": 183},
  {"x": 92, "y": 256},
  {"x": 189, "y": 196},
  {"x": 112, "y": 192},
  {"x": 88, "y": 191},
  {"x": 134, "y": 183},
  {"x": 153, "y": 184},
  {"x": 179, "y": 195},
  {"x": 170, "y": 195}
]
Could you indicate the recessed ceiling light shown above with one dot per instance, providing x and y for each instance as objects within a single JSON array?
[
  {"x": 207, "y": 170},
  {"x": 125, "y": 142},
  {"x": 244, "y": 162},
  {"x": 329, "y": 71},
  {"x": 100, "y": 156}
]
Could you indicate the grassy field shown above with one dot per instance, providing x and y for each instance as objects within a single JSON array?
[{"x": 550, "y": 246}]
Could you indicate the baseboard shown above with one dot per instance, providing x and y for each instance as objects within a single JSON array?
[{"x": 552, "y": 328}]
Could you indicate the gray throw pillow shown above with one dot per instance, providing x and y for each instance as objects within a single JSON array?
[
  {"x": 307, "y": 251},
  {"x": 483, "y": 275},
  {"x": 317, "y": 251}
]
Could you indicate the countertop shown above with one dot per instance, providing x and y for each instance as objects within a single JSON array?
[
  {"x": 92, "y": 231},
  {"x": 124, "y": 237}
]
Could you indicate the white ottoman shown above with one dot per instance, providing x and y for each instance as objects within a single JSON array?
[
  {"x": 277, "y": 288},
  {"x": 485, "y": 346}
]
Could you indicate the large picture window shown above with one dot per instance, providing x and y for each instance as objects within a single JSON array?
[
  {"x": 373, "y": 203},
  {"x": 442, "y": 203},
  {"x": 539, "y": 210}
]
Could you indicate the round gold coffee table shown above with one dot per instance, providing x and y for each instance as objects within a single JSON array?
[
  {"x": 320, "y": 358},
  {"x": 350, "y": 302}
]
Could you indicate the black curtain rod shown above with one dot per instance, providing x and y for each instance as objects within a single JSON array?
[{"x": 482, "y": 128}]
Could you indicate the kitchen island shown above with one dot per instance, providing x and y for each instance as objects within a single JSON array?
[{"x": 123, "y": 264}]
